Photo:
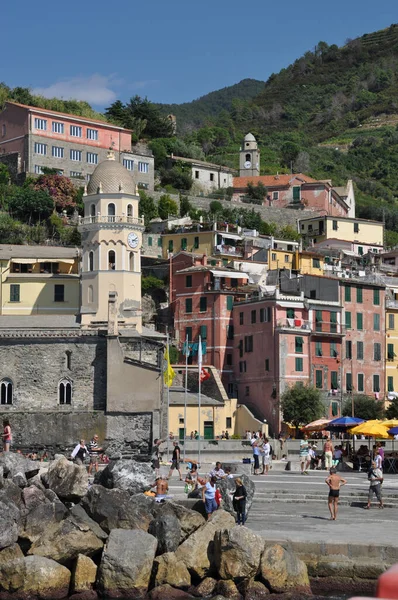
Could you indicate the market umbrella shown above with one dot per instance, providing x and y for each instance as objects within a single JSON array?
[
  {"x": 375, "y": 429},
  {"x": 393, "y": 431},
  {"x": 317, "y": 425},
  {"x": 343, "y": 423},
  {"x": 391, "y": 422}
]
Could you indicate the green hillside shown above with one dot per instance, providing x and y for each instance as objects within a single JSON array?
[{"x": 195, "y": 113}]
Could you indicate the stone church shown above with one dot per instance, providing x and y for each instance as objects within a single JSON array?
[{"x": 67, "y": 376}]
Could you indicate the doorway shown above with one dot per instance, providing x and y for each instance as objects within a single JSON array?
[{"x": 208, "y": 430}]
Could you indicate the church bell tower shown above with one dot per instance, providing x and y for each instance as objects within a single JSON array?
[{"x": 249, "y": 159}]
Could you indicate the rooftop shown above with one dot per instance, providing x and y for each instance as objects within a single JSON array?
[
  {"x": 46, "y": 111},
  {"x": 13, "y": 251},
  {"x": 282, "y": 180},
  {"x": 202, "y": 163}
]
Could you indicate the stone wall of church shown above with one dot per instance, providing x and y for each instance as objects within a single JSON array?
[{"x": 36, "y": 366}]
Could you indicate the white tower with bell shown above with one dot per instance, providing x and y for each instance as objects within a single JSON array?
[
  {"x": 111, "y": 232},
  {"x": 249, "y": 158}
]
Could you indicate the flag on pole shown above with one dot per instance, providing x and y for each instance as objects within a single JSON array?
[
  {"x": 204, "y": 375},
  {"x": 169, "y": 373}
]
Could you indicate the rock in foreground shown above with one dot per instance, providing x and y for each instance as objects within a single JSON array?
[
  {"x": 126, "y": 564},
  {"x": 237, "y": 553},
  {"x": 283, "y": 571},
  {"x": 34, "y": 577},
  {"x": 129, "y": 475},
  {"x": 67, "y": 480}
]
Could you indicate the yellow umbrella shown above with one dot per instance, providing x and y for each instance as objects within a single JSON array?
[
  {"x": 391, "y": 423},
  {"x": 316, "y": 425},
  {"x": 375, "y": 428}
]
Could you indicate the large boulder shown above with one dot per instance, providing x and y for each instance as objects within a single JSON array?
[
  {"x": 39, "y": 513},
  {"x": 10, "y": 493},
  {"x": 35, "y": 577},
  {"x": 129, "y": 475},
  {"x": 15, "y": 464},
  {"x": 9, "y": 519},
  {"x": 116, "y": 509},
  {"x": 67, "y": 480},
  {"x": 167, "y": 530},
  {"x": 227, "y": 486},
  {"x": 253, "y": 590},
  {"x": 228, "y": 589},
  {"x": 282, "y": 571},
  {"x": 197, "y": 552},
  {"x": 190, "y": 520},
  {"x": 167, "y": 569},
  {"x": 10, "y": 553},
  {"x": 205, "y": 588},
  {"x": 65, "y": 541},
  {"x": 126, "y": 564},
  {"x": 237, "y": 553},
  {"x": 167, "y": 592},
  {"x": 84, "y": 574}
]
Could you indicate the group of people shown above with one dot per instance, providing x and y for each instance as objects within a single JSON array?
[
  {"x": 262, "y": 449},
  {"x": 93, "y": 451},
  {"x": 311, "y": 456}
]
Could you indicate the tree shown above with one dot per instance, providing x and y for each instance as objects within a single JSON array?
[
  {"x": 185, "y": 206},
  {"x": 302, "y": 163},
  {"x": 255, "y": 194},
  {"x": 392, "y": 410},
  {"x": 60, "y": 188},
  {"x": 147, "y": 207},
  {"x": 30, "y": 205},
  {"x": 4, "y": 174},
  {"x": 142, "y": 116},
  {"x": 178, "y": 177},
  {"x": 365, "y": 407},
  {"x": 167, "y": 206},
  {"x": 302, "y": 404},
  {"x": 289, "y": 152},
  {"x": 215, "y": 207}
]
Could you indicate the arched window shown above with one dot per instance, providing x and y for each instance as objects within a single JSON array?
[
  {"x": 248, "y": 157},
  {"x": 6, "y": 391},
  {"x": 65, "y": 391},
  {"x": 111, "y": 212},
  {"x": 90, "y": 294},
  {"x": 129, "y": 210},
  {"x": 91, "y": 261},
  {"x": 68, "y": 360},
  {"x": 111, "y": 260},
  {"x": 132, "y": 261},
  {"x": 92, "y": 210}
]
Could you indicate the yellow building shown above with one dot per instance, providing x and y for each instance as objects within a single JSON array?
[
  {"x": 363, "y": 234},
  {"x": 391, "y": 346},
  {"x": 280, "y": 259},
  {"x": 39, "y": 280},
  {"x": 211, "y": 243},
  {"x": 309, "y": 263}
]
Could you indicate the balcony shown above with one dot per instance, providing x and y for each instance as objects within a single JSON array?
[
  {"x": 391, "y": 303},
  {"x": 229, "y": 250},
  {"x": 324, "y": 327},
  {"x": 111, "y": 220},
  {"x": 295, "y": 324}
]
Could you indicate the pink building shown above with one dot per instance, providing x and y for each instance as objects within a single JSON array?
[
  {"x": 300, "y": 190},
  {"x": 364, "y": 352},
  {"x": 32, "y": 138}
]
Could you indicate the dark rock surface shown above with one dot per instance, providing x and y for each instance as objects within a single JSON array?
[{"x": 167, "y": 530}]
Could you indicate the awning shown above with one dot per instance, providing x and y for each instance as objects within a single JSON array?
[
  {"x": 229, "y": 236},
  {"x": 350, "y": 253},
  {"x": 232, "y": 274},
  {"x": 68, "y": 261},
  {"x": 24, "y": 261}
]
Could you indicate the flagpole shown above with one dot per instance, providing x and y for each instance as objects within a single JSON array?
[
  {"x": 199, "y": 393},
  {"x": 186, "y": 393}
]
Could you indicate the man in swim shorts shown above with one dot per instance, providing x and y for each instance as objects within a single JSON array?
[{"x": 334, "y": 482}]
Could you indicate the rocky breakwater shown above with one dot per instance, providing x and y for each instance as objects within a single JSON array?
[{"x": 60, "y": 538}]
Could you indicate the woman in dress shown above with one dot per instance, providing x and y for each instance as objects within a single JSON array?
[{"x": 239, "y": 501}]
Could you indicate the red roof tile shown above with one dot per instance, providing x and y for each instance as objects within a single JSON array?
[{"x": 284, "y": 179}]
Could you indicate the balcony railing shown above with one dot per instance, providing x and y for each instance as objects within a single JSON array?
[
  {"x": 298, "y": 324},
  {"x": 230, "y": 250},
  {"x": 391, "y": 303},
  {"x": 105, "y": 219},
  {"x": 321, "y": 327}
]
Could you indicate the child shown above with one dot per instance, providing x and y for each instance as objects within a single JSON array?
[{"x": 334, "y": 482}]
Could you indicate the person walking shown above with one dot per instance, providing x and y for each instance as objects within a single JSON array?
[
  {"x": 175, "y": 461},
  {"x": 304, "y": 456},
  {"x": 334, "y": 482},
  {"x": 94, "y": 451},
  {"x": 7, "y": 435},
  {"x": 80, "y": 452},
  {"x": 328, "y": 452},
  {"x": 209, "y": 496},
  {"x": 375, "y": 477},
  {"x": 239, "y": 501}
]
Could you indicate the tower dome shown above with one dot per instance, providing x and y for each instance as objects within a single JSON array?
[
  {"x": 249, "y": 137},
  {"x": 110, "y": 177}
]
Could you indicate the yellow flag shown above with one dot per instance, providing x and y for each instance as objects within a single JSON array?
[{"x": 169, "y": 373}]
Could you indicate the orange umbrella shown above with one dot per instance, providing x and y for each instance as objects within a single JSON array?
[{"x": 316, "y": 425}]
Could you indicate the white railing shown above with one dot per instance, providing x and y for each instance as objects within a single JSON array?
[
  {"x": 294, "y": 324},
  {"x": 98, "y": 219}
]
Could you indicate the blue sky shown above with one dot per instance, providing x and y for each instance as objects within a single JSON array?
[{"x": 170, "y": 51}]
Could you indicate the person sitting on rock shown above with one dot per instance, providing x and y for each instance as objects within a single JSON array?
[
  {"x": 161, "y": 488},
  {"x": 217, "y": 472}
]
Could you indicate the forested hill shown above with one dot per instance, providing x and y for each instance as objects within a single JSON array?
[
  {"x": 331, "y": 89},
  {"x": 194, "y": 114}
]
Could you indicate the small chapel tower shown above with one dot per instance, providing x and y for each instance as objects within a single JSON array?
[
  {"x": 111, "y": 245},
  {"x": 249, "y": 159}
]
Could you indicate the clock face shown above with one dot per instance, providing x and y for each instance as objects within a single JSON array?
[
  {"x": 248, "y": 164},
  {"x": 132, "y": 240}
]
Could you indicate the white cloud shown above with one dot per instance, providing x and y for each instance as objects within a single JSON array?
[
  {"x": 95, "y": 89},
  {"x": 139, "y": 85}
]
